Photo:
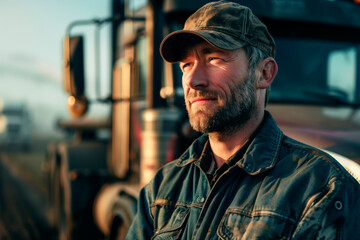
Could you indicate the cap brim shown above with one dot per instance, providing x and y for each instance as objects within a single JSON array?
[{"x": 173, "y": 46}]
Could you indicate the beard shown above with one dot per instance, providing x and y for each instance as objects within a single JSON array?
[{"x": 230, "y": 114}]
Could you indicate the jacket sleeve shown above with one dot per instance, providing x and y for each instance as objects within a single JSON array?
[
  {"x": 332, "y": 213},
  {"x": 142, "y": 226}
]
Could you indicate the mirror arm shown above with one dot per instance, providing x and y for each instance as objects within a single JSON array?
[
  {"x": 97, "y": 61},
  {"x": 98, "y": 23}
]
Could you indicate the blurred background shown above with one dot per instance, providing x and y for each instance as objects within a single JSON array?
[
  {"x": 32, "y": 99},
  {"x": 31, "y": 56},
  {"x": 78, "y": 178}
]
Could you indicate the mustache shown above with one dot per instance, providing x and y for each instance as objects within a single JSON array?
[{"x": 201, "y": 93}]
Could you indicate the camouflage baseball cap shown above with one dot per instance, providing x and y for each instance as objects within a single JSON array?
[{"x": 225, "y": 25}]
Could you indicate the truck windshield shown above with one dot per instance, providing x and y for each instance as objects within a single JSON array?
[{"x": 315, "y": 72}]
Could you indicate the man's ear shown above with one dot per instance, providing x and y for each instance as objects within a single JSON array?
[{"x": 268, "y": 68}]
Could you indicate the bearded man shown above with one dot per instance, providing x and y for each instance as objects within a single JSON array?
[{"x": 243, "y": 178}]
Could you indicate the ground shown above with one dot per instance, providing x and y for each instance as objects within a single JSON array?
[{"x": 23, "y": 203}]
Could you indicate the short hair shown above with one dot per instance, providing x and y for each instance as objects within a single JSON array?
[{"x": 255, "y": 56}]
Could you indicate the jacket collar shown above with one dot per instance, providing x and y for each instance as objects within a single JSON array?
[
  {"x": 261, "y": 155},
  {"x": 263, "y": 152}
]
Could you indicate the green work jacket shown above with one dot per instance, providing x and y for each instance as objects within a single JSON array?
[{"x": 277, "y": 189}]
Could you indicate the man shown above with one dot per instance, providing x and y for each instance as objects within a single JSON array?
[{"x": 242, "y": 179}]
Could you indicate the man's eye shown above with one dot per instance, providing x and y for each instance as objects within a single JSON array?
[
  {"x": 212, "y": 59},
  {"x": 184, "y": 66}
]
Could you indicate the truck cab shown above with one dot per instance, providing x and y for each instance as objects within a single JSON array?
[{"x": 315, "y": 98}]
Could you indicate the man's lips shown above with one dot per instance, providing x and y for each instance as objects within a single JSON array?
[{"x": 201, "y": 100}]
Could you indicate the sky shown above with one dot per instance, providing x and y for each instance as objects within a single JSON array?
[
  {"x": 31, "y": 34},
  {"x": 32, "y": 30}
]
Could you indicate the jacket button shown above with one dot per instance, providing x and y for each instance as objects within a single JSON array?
[
  {"x": 338, "y": 205},
  {"x": 200, "y": 199}
]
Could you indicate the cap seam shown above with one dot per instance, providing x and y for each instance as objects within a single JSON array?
[
  {"x": 203, "y": 14},
  {"x": 245, "y": 18}
]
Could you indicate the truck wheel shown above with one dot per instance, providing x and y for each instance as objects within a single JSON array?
[
  {"x": 115, "y": 208},
  {"x": 57, "y": 195},
  {"x": 123, "y": 213}
]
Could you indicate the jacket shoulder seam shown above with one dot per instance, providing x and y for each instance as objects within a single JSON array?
[{"x": 318, "y": 153}]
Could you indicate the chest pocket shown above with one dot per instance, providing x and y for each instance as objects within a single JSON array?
[
  {"x": 170, "y": 221},
  {"x": 263, "y": 225}
]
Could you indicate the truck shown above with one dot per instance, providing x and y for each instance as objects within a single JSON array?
[
  {"x": 15, "y": 126},
  {"x": 93, "y": 178}
]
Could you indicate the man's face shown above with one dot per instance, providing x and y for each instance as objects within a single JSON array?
[{"x": 219, "y": 91}]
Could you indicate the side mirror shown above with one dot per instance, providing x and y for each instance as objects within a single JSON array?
[{"x": 74, "y": 82}]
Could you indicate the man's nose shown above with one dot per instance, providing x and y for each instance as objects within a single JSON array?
[{"x": 197, "y": 78}]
